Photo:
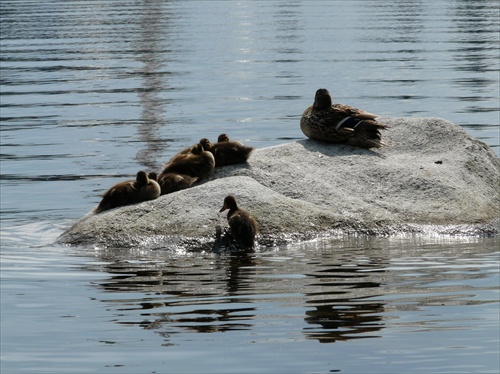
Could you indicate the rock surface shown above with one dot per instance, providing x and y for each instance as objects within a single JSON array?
[{"x": 434, "y": 178}]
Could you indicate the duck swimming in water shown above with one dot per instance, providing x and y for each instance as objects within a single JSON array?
[
  {"x": 243, "y": 226},
  {"x": 130, "y": 192},
  {"x": 340, "y": 123}
]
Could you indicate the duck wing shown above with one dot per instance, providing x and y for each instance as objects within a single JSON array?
[
  {"x": 359, "y": 114},
  {"x": 355, "y": 112},
  {"x": 337, "y": 118}
]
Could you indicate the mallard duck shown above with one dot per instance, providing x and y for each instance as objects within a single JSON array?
[
  {"x": 340, "y": 123},
  {"x": 197, "y": 163},
  {"x": 171, "y": 182},
  {"x": 130, "y": 192},
  {"x": 243, "y": 226},
  {"x": 227, "y": 152}
]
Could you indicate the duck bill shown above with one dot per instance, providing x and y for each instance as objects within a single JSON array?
[{"x": 224, "y": 207}]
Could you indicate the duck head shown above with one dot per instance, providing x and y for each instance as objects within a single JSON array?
[
  {"x": 142, "y": 178},
  {"x": 153, "y": 176},
  {"x": 205, "y": 144},
  {"x": 223, "y": 138},
  {"x": 197, "y": 149},
  {"x": 229, "y": 203},
  {"x": 322, "y": 99}
]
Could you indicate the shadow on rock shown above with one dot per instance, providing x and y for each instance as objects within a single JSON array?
[{"x": 331, "y": 150}]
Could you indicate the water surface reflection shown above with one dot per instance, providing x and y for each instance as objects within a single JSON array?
[
  {"x": 342, "y": 293},
  {"x": 150, "y": 48},
  {"x": 202, "y": 294},
  {"x": 135, "y": 81}
]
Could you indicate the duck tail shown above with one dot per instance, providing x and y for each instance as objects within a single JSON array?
[
  {"x": 379, "y": 143},
  {"x": 366, "y": 134}
]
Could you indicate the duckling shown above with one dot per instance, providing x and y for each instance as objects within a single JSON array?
[
  {"x": 130, "y": 192},
  {"x": 243, "y": 226},
  {"x": 153, "y": 176},
  {"x": 223, "y": 138},
  {"x": 227, "y": 152},
  {"x": 340, "y": 123},
  {"x": 171, "y": 182},
  {"x": 205, "y": 143},
  {"x": 197, "y": 163}
]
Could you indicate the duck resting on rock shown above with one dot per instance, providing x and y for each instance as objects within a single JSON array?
[
  {"x": 228, "y": 152},
  {"x": 340, "y": 123},
  {"x": 242, "y": 225},
  {"x": 224, "y": 138},
  {"x": 198, "y": 163},
  {"x": 130, "y": 192},
  {"x": 171, "y": 182}
]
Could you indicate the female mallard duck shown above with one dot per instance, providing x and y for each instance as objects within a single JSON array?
[
  {"x": 130, "y": 192},
  {"x": 340, "y": 123},
  {"x": 197, "y": 163},
  {"x": 227, "y": 152},
  {"x": 243, "y": 226}
]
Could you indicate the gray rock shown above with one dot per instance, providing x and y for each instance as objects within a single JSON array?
[{"x": 434, "y": 178}]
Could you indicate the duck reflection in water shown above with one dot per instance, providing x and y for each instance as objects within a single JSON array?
[
  {"x": 201, "y": 292},
  {"x": 169, "y": 296},
  {"x": 341, "y": 322},
  {"x": 342, "y": 300}
]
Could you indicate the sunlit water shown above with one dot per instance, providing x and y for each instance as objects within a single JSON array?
[
  {"x": 359, "y": 306},
  {"x": 93, "y": 91}
]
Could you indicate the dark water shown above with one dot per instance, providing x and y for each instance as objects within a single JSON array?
[{"x": 93, "y": 91}]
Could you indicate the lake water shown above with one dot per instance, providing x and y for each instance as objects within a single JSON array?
[{"x": 93, "y": 91}]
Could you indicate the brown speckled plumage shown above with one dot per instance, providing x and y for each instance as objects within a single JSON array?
[{"x": 340, "y": 123}]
